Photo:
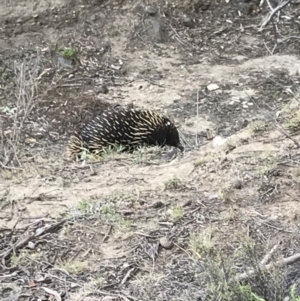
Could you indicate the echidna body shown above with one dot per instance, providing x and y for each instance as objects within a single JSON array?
[{"x": 127, "y": 127}]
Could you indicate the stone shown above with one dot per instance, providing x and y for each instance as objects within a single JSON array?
[
  {"x": 213, "y": 87},
  {"x": 103, "y": 89},
  {"x": 166, "y": 243},
  {"x": 188, "y": 22},
  {"x": 65, "y": 62},
  {"x": 155, "y": 31},
  {"x": 151, "y": 11}
]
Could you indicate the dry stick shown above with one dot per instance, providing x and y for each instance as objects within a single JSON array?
[
  {"x": 279, "y": 128},
  {"x": 272, "y": 14},
  {"x": 269, "y": 254},
  {"x": 285, "y": 261},
  {"x": 197, "y": 117},
  {"x": 24, "y": 241}
]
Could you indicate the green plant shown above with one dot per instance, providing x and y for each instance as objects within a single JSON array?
[
  {"x": 173, "y": 183},
  {"x": 293, "y": 124},
  {"x": 177, "y": 212},
  {"x": 258, "y": 127},
  {"x": 69, "y": 53}
]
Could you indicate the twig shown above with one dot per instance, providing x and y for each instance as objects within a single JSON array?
[
  {"x": 269, "y": 254},
  {"x": 279, "y": 128},
  {"x": 127, "y": 275},
  {"x": 107, "y": 233},
  {"x": 24, "y": 241},
  {"x": 152, "y": 82},
  {"x": 273, "y": 13},
  {"x": 285, "y": 261},
  {"x": 197, "y": 117}
]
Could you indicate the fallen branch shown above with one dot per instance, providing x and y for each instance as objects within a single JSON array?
[
  {"x": 21, "y": 243},
  {"x": 280, "y": 263},
  {"x": 269, "y": 254},
  {"x": 273, "y": 13}
]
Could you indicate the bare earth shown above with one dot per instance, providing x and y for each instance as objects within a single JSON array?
[{"x": 116, "y": 210}]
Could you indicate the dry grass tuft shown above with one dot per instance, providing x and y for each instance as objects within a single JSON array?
[{"x": 26, "y": 83}]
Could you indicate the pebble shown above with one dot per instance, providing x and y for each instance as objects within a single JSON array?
[
  {"x": 218, "y": 141},
  {"x": 188, "y": 22},
  {"x": 237, "y": 184},
  {"x": 31, "y": 245},
  {"x": 151, "y": 11},
  {"x": 213, "y": 87},
  {"x": 166, "y": 243},
  {"x": 157, "y": 204},
  {"x": 103, "y": 89},
  {"x": 65, "y": 62}
]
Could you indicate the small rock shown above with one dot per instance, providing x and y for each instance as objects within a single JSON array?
[
  {"x": 155, "y": 31},
  {"x": 31, "y": 245},
  {"x": 65, "y": 62},
  {"x": 157, "y": 204},
  {"x": 93, "y": 18},
  {"x": 213, "y": 87},
  {"x": 188, "y": 22},
  {"x": 166, "y": 243},
  {"x": 237, "y": 184},
  {"x": 151, "y": 11},
  {"x": 218, "y": 141},
  {"x": 103, "y": 90}
]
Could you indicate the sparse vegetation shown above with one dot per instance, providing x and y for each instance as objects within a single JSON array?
[
  {"x": 258, "y": 127},
  {"x": 293, "y": 124},
  {"x": 69, "y": 53},
  {"x": 268, "y": 164},
  {"x": 177, "y": 212},
  {"x": 173, "y": 183},
  {"x": 75, "y": 266},
  {"x": 202, "y": 244},
  {"x": 203, "y": 160},
  {"x": 211, "y": 223}
]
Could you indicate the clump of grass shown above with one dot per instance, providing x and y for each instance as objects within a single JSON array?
[
  {"x": 221, "y": 274},
  {"x": 228, "y": 215},
  {"x": 69, "y": 53},
  {"x": 105, "y": 209},
  {"x": 225, "y": 193},
  {"x": 173, "y": 183},
  {"x": 201, "y": 244},
  {"x": 258, "y": 127},
  {"x": 25, "y": 98},
  {"x": 229, "y": 145},
  {"x": 267, "y": 165},
  {"x": 201, "y": 161},
  {"x": 296, "y": 173},
  {"x": 75, "y": 266},
  {"x": 177, "y": 212},
  {"x": 17, "y": 259},
  {"x": 293, "y": 124},
  {"x": 144, "y": 154},
  {"x": 107, "y": 153}
]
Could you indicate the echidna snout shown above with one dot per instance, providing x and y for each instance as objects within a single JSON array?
[{"x": 172, "y": 137}]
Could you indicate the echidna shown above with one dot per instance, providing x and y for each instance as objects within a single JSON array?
[{"x": 127, "y": 127}]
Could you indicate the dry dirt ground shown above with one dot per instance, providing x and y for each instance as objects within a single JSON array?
[{"x": 155, "y": 224}]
